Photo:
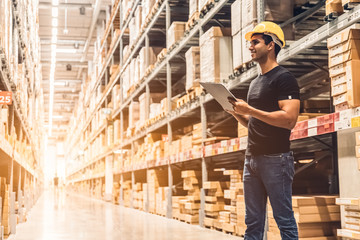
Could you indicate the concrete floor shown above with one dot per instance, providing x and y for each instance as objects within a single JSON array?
[{"x": 77, "y": 217}]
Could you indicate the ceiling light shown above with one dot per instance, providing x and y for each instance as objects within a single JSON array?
[
  {"x": 76, "y": 45},
  {"x": 54, "y": 31},
  {"x": 55, "y": 2},
  {"x": 55, "y": 22},
  {"x": 54, "y": 12}
]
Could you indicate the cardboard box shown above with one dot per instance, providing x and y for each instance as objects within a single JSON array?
[
  {"x": 134, "y": 115},
  {"x": 193, "y": 7},
  {"x": 357, "y": 138},
  {"x": 344, "y": 47},
  {"x": 351, "y": 54},
  {"x": 333, "y": 6},
  {"x": 237, "y": 50},
  {"x": 215, "y": 55},
  {"x": 343, "y": 36},
  {"x": 175, "y": 33},
  {"x": 236, "y": 17},
  {"x": 357, "y": 151},
  {"x": 192, "y": 68}
]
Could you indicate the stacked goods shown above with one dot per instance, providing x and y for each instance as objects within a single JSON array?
[
  {"x": 175, "y": 33},
  {"x": 214, "y": 201},
  {"x": 144, "y": 196},
  {"x": 192, "y": 68},
  {"x": 134, "y": 114},
  {"x": 117, "y": 132},
  {"x": 351, "y": 224},
  {"x": 176, "y": 206},
  {"x": 189, "y": 207},
  {"x": 116, "y": 193},
  {"x": 146, "y": 9},
  {"x": 240, "y": 214},
  {"x": 333, "y": 7},
  {"x": 155, "y": 179},
  {"x": 164, "y": 105},
  {"x": 127, "y": 193},
  {"x": 5, "y": 196},
  {"x": 243, "y": 20},
  {"x": 344, "y": 64},
  {"x": 316, "y": 217},
  {"x": 161, "y": 201},
  {"x": 193, "y": 9},
  {"x": 215, "y": 55},
  {"x": 144, "y": 102},
  {"x": 357, "y": 148},
  {"x": 115, "y": 98},
  {"x": 4, "y": 114},
  {"x": 144, "y": 64},
  {"x": 186, "y": 143},
  {"x": 138, "y": 196},
  {"x": 228, "y": 218}
]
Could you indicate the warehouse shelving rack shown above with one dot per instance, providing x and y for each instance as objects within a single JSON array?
[
  {"x": 305, "y": 57},
  {"x": 25, "y": 181}
]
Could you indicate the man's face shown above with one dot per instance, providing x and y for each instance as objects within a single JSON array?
[{"x": 258, "y": 48}]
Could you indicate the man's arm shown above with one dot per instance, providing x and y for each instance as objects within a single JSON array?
[
  {"x": 242, "y": 119},
  {"x": 284, "y": 118}
]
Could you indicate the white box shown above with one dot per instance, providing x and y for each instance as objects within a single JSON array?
[
  {"x": 237, "y": 49},
  {"x": 312, "y": 131},
  {"x": 312, "y": 122},
  {"x": 236, "y": 17}
]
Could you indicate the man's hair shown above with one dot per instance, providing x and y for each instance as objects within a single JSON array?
[{"x": 268, "y": 39}]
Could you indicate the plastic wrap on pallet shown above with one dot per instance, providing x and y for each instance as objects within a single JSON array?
[
  {"x": 193, "y": 7},
  {"x": 192, "y": 67},
  {"x": 215, "y": 55},
  {"x": 138, "y": 19},
  {"x": 146, "y": 8},
  {"x": 155, "y": 109},
  {"x": 175, "y": 32},
  {"x": 246, "y": 55},
  {"x": 133, "y": 31},
  {"x": 126, "y": 81},
  {"x": 237, "y": 50},
  {"x": 236, "y": 17},
  {"x": 142, "y": 59},
  {"x": 133, "y": 113}
]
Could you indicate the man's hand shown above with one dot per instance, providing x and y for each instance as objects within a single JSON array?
[{"x": 240, "y": 106}]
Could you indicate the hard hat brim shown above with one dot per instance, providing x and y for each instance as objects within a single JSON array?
[{"x": 248, "y": 36}]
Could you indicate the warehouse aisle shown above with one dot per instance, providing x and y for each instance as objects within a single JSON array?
[{"x": 77, "y": 217}]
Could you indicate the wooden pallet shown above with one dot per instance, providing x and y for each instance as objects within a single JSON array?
[
  {"x": 182, "y": 101},
  {"x": 193, "y": 20},
  {"x": 194, "y": 93},
  {"x": 161, "y": 56},
  {"x": 351, "y": 4},
  {"x": 206, "y": 8}
]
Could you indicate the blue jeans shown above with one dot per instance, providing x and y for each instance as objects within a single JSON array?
[{"x": 269, "y": 176}]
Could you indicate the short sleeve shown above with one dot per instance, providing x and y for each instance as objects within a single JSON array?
[{"x": 287, "y": 87}]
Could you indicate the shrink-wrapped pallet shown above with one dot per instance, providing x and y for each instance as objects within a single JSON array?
[
  {"x": 192, "y": 68},
  {"x": 215, "y": 55}
]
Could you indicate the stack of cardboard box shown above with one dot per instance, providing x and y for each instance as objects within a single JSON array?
[
  {"x": 344, "y": 63},
  {"x": 161, "y": 200},
  {"x": 138, "y": 196},
  {"x": 127, "y": 192},
  {"x": 316, "y": 216},
  {"x": 214, "y": 201},
  {"x": 189, "y": 207},
  {"x": 236, "y": 188},
  {"x": 175, "y": 33},
  {"x": 155, "y": 179},
  {"x": 351, "y": 224},
  {"x": 357, "y": 148},
  {"x": 192, "y": 68},
  {"x": 215, "y": 55}
]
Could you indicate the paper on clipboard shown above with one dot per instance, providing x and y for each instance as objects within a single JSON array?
[{"x": 220, "y": 93}]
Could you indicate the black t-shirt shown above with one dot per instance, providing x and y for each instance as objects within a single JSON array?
[{"x": 264, "y": 93}]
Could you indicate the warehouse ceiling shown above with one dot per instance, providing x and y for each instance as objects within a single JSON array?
[{"x": 77, "y": 23}]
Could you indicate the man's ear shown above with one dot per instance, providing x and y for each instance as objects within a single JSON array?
[{"x": 271, "y": 46}]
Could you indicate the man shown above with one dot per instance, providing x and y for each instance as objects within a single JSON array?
[{"x": 270, "y": 113}]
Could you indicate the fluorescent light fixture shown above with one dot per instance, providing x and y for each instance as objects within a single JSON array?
[
  {"x": 54, "y": 12},
  {"x": 54, "y": 39},
  {"x": 55, "y": 2},
  {"x": 66, "y": 50},
  {"x": 54, "y": 31},
  {"x": 54, "y": 22}
]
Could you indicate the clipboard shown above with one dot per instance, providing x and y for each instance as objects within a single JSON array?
[{"x": 220, "y": 93}]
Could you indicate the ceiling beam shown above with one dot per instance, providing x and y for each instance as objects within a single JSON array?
[{"x": 47, "y": 5}]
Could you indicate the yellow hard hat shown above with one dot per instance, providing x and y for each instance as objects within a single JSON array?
[{"x": 268, "y": 28}]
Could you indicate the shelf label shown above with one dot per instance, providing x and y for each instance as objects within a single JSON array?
[{"x": 5, "y": 98}]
